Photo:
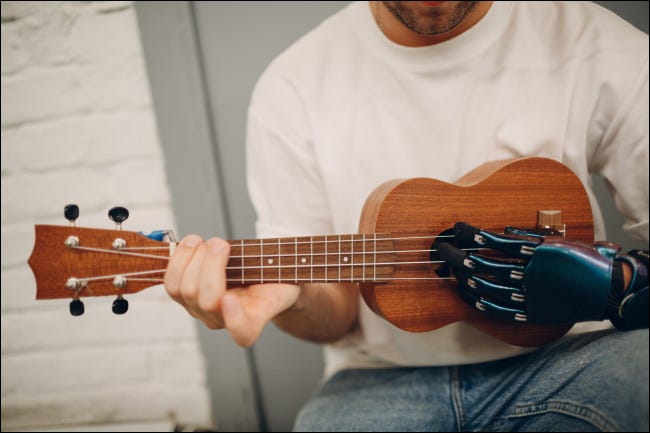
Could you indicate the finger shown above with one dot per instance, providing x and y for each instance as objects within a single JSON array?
[
  {"x": 471, "y": 263},
  {"x": 512, "y": 245},
  {"x": 488, "y": 289},
  {"x": 177, "y": 263},
  {"x": 191, "y": 280},
  {"x": 492, "y": 308},
  {"x": 212, "y": 282},
  {"x": 247, "y": 311}
]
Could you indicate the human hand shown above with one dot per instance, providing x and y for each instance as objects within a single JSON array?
[
  {"x": 543, "y": 279},
  {"x": 196, "y": 279}
]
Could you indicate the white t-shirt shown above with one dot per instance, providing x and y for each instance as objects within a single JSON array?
[{"x": 344, "y": 109}]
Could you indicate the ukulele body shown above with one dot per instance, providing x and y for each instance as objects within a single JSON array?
[{"x": 493, "y": 196}]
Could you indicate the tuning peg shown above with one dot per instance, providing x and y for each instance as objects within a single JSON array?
[
  {"x": 118, "y": 214},
  {"x": 76, "y": 307},
  {"x": 71, "y": 212},
  {"x": 120, "y": 305}
]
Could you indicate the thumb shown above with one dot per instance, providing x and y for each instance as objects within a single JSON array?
[{"x": 246, "y": 311}]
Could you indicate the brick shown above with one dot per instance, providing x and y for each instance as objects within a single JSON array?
[
  {"x": 110, "y": 6},
  {"x": 138, "y": 181},
  {"x": 71, "y": 89},
  {"x": 17, "y": 10},
  {"x": 59, "y": 92},
  {"x": 43, "y": 32},
  {"x": 75, "y": 369},
  {"x": 110, "y": 38},
  {"x": 133, "y": 402},
  {"x": 57, "y": 33},
  {"x": 170, "y": 358},
  {"x": 87, "y": 139},
  {"x": 14, "y": 55},
  {"x": 17, "y": 243},
  {"x": 147, "y": 321},
  {"x": 18, "y": 289},
  {"x": 27, "y": 194}
]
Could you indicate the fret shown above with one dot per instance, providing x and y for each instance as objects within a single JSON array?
[
  {"x": 295, "y": 245},
  {"x": 344, "y": 260},
  {"x": 351, "y": 258},
  {"x": 374, "y": 257},
  {"x": 326, "y": 269},
  {"x": 338, "y": 259},
  {"x": 320, "y": 258},
  {"x": 363, "y": 266},
  {"x": 242, "y": 254},
  {"x": 279, "y": 261},
  {"x": 262, "y": 260},
  {"x": 304, "y": 259}
]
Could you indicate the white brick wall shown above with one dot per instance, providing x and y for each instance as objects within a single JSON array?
[{"x": 78, "y": 127}]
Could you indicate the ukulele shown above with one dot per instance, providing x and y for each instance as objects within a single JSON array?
[{"x": 393, "y": 258}]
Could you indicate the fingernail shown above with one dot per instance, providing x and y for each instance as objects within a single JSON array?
[
  {"x": 216, "y": 245},
  {"x": 191, "y": 241}
]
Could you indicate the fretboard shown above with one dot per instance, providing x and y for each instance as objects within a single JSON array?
[{"x": 311, "y": 259}]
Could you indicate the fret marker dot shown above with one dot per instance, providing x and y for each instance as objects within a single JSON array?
[
  {"x": 303, "y": 260},
  {"x": 270, "y": 261},
  {"x": 345, "y": 259}
]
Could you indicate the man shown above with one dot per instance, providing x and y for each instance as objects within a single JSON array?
[{"x": 387, "y": 90}]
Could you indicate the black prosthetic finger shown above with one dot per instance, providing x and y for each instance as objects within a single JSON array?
[
  {"x": 471, "y": 264},
  {"x": 541, "y": 232},
  {"x": 512, "y": 314},
  {"x": 468, "y": 295},
  {"x": 509, "y": 271},
  {"x": 485, "y": 288},
  {"x": 452, "y": 255},
  {"x": 512, "y": 245}
]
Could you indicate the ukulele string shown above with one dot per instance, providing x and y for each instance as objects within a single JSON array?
[
  {"x": 327, "y": 267},
  {"x": 123, "y": 251},
  {"x": 257, "y": 256},
  {"x": 325, "y": 241},
  {"x": 336, "y": 253}
]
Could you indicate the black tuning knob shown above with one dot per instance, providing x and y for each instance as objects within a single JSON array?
[
  {"x": 120, "y": 305},
  {"x": 71, "y": 212},
  {"x": 118, "y": 214},
  {"x": 76, "y": 307}
]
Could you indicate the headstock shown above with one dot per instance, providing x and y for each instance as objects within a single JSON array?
[{"x": 73, "y": 262}]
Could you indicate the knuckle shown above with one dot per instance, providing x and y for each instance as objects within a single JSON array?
[
  {"x": 217, "y": 246},
  {"x": 209, "y": 306},
  {"x": 191, "y": 241},
  {"x": 188, "y": 291}
]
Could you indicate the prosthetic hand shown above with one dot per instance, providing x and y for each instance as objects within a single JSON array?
[{"x": 547, "y": 279}]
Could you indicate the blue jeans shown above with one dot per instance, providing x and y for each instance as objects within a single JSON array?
[{"x": 591, "y": 382}]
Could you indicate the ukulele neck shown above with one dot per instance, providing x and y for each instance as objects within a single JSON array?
[{"x": 311, "y": 259}]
